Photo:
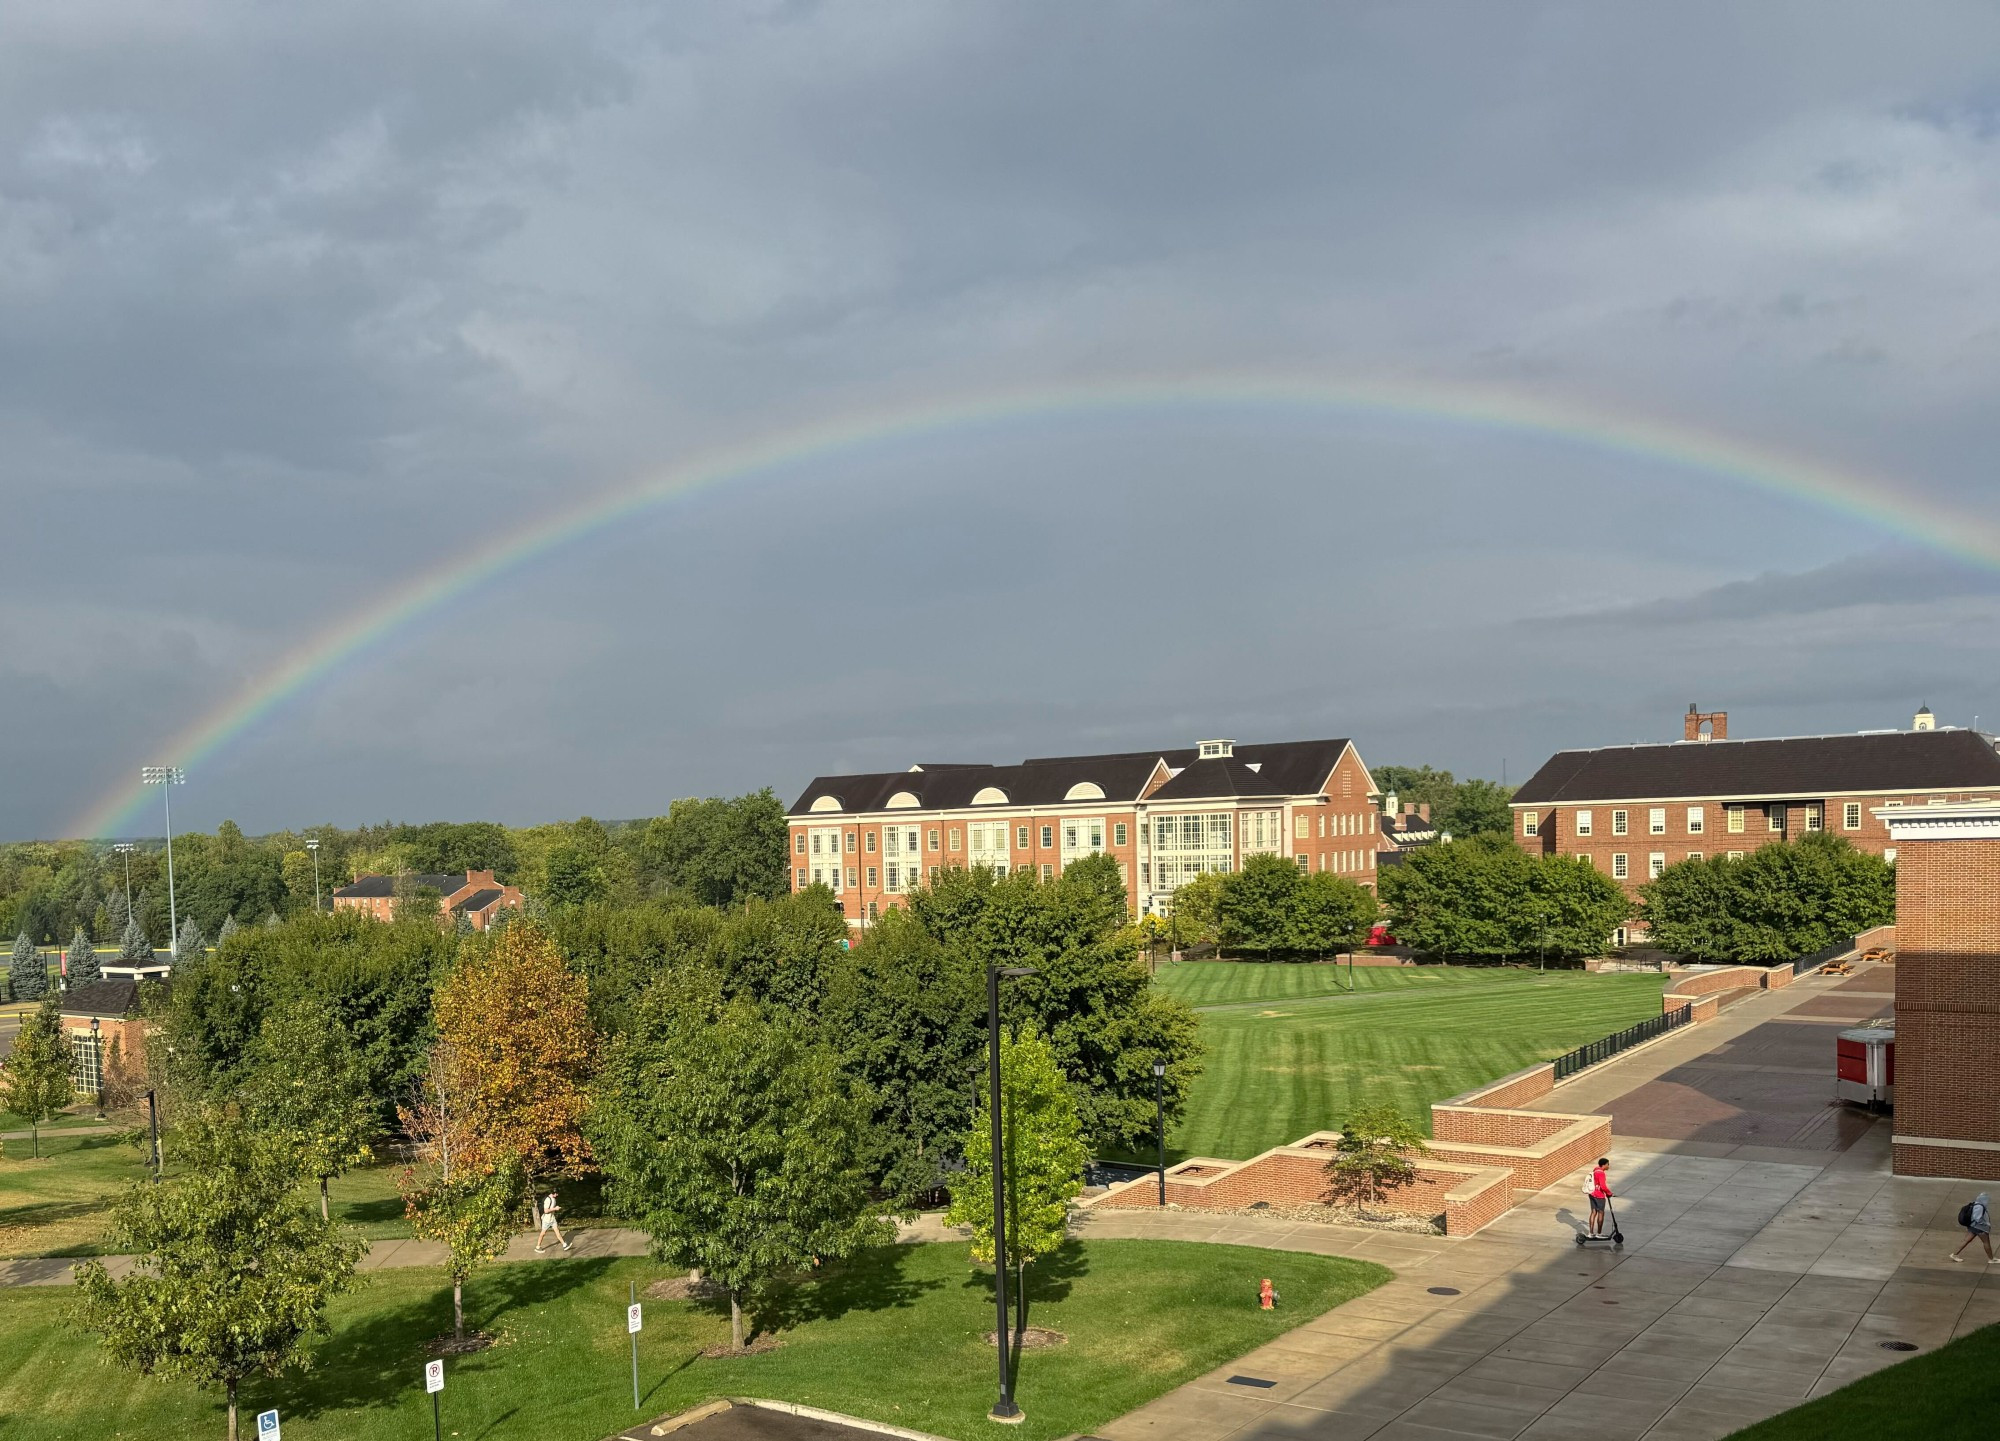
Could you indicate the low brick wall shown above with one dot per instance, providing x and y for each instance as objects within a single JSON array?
[
  {"x": 1296, "y": 1175},
  {"x": 1563, "y": 1146},
  {"x": 1883, "y": 936},
  {"x": 1478, "y": 1201},
  {"x": 1516, "y": 1090}
]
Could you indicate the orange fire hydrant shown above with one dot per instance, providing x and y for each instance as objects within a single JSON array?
[{"x": 1266, "y": 1297}]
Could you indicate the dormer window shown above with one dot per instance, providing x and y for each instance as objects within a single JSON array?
[{"x": 1216, "y": 750}]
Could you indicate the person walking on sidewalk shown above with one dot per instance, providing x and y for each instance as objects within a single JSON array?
[
  {"x": 1977, "y": 1218},
  {"x": 549, "y": 1212},
  {"x": 1600, "y": 1194}
]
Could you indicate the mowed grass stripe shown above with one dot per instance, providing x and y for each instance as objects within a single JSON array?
[
  {"x": 1219, "y": 983},
  {"x": 1278, "y": 1071}
]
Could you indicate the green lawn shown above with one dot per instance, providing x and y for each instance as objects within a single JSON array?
[
  {"x": 60, "y": 1205},
  {"x": 895, "y": 1336},
  {"x": 1951, "y": 1394},
  {"x": 1289, "y": 1049}
]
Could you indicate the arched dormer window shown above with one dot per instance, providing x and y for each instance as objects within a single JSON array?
[
  {"x": 990, "y": 796},
  {"x": 903, "y": 801},
  {"x": 825, "y": 803},
  {"x": 1084, "y": 791}
]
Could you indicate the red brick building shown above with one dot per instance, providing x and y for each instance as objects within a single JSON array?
[
  {"x": 475, "y": 895},
  {"x": 1634, "y": 810},
  {"x": 1947, "y": 989},
  {"x": 1167, "y": 816}
]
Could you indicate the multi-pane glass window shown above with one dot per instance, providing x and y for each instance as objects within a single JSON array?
[
  {"x": 87, "y": 1054},
  {"x": 988, "y": 844},
  {"x": 1851, "y": 816},
  {"x": 1735, "y": 814},
  {"x": 1815, "y": 818},
  {"x": 1186, "y": 846},
  {"x": 1081, "y": 836},
  {"x": 1621, "y": 822},
  {"x": 1656, "y": 863},
  {"x": 1697, "y": 820},
  {"x": 825, "y": 850},
  {"x": 1621, "y": 865},
  {"x": 1656, "y": 820},
  {"x": 1118, "y": 834},
  {"x": 1021, "y": 837},
  {"x": 1774, "y": 820},
  {"x": 1263, "y": 830},
  {"x": 1584, "y": 821}
]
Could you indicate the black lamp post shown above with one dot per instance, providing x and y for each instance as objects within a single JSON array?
[
  {"x": 1160, "y": 1121},
  {"x": 97, "y": 1059},
  {"x": 1004, "y": 1409},
  {"x": 153, "y": 1118}
]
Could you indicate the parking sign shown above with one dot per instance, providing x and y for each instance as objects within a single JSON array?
[
  {"x": 632, "y": 1317},
  {"x": 433, "y": 1376},
  {"x": 267, "y": 1426}
]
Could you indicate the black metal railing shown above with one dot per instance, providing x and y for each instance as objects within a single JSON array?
[
  {"x": 1569, "y": 1064},
  {"x": 1819, "y": 958}
]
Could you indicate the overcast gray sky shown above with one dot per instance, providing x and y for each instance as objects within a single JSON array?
[{"x": 299, "y": 302}]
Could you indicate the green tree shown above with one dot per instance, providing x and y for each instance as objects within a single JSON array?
[
  {"x": 1257, "y": 903},
  {"x": 1487, "y": 899},
  {"x": 1783, "y": 900},
  {"x": 229, "y": 929},
  {"x": 574, "y": 877},
  {"x": 234, "y": 1274},
  {"x": 1417, "y": 785},
  {"x": 1330, "y": 914},
  {"x": 27, "y": 972},
  {"x": 1090, "y": 996},
  {"x": 735, "y": 1141},
  {"x": 36, "y": 1078},
  {"x": 82, "y": 963},
  {"x": 1477, "y": 808},
  {"x": 1196, "y": 918},
  {"x": 908, "y": 1016},
  {"x": 718, "y": 852},
  {"x": 413, "y": 902},
  {"x": 1373, "y": 1155},
  {"x": 192, "y": 941},
  {"x": 309, "y": 1089},
  {"x": 1042, "y": 1154}
]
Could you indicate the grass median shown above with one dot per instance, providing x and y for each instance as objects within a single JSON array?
[
  {"x": 1952, "y": 1394},
  {"x": 1290, "y": 1049},
  {"x": 896, "y": 1335}
]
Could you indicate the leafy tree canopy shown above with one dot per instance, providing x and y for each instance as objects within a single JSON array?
[
  {"x": 1782, "y": 901},
  {"x": 1488, "y": 899}
]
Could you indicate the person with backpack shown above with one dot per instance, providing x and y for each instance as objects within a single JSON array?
[
  {"x": 549, "y": 1210},
  {"x": 1598, "y": 1188},
  {"x": 1976, "y": 1216}
]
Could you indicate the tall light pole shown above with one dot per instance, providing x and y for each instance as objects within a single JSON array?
[
  {"x": 313, "y": 846},
  {"x": 166, "y": 778},
  {"x": 1004, "y": 1409},
  {"x": 97, "y": 1063},
  {"x": 1160, "y": 1121},
  {"x": 124, "y": 848}
]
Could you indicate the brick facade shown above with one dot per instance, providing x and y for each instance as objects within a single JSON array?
[
  {"x": 871, "y": 839},
  {"x": 1947, "y": 1099}
]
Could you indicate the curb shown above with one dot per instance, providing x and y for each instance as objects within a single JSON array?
[{"x": 670, "y": 1424}]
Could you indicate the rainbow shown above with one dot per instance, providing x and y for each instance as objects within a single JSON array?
[{"x": 1472, "y": 407}]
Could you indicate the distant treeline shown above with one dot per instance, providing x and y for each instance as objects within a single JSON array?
[{"x": 715, "y": 852}]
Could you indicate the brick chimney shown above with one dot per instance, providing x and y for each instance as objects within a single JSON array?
[{"x": 1705, "y": 726}]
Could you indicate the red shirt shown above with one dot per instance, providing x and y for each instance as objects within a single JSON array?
[{"x": 1600, "y": 1183}]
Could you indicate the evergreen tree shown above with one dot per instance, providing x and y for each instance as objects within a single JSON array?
[
  {"x": 83, "y": 967},
  {"x": 134, "y": 948},
  {"x": 193, "y": 942},
  {"x": 27, "y": 972},
  {"x": 271, "y": 922},
  {"x": 229, "y": 928},
  {"x": 116, "y": 913}
]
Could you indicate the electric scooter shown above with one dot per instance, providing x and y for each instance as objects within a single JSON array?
[{"x": 1616, "y": 1238}]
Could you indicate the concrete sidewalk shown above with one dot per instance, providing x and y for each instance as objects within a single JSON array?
[{"x": 401, "y": 1254}]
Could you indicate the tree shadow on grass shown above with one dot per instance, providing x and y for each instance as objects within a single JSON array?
[
  {"x": 366, "y": 1213},
  {"x": 373, "y": 1362},
  {"x": 870, "y": 1280},
  {"x": 1049, "y": 1278}
]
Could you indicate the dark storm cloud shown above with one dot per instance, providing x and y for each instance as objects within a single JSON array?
[{"x": 296, "y": 304}]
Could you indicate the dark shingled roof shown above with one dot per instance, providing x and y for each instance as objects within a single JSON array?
[
  {"x": 479, "y": 900},
  {"x": 110, "y": 1000},
  {"x": 1941, "y": 760},
  {"x": 1281, "y": 769},
  {"x": 384, "y": 886}
]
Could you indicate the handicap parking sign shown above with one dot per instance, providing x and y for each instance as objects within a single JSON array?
[{"x": 267, "y": 1426}]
